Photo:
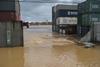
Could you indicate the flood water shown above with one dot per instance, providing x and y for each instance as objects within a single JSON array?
[{"x": 42, "y": 48}]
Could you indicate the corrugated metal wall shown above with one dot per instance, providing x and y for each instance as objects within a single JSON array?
[
  {"x": 89, "y": 6},
  {"x": 7, "y": 5},
  {"x": 66, "y": 20},
  {"x": 11, "y": 34},
  {"x": 63, "y": 11},
  {"x": 3, "y": 35},
  {"x": 89, "y": 14},
  {"x": 7, "y": 16},
  {"x": 67, "y": 13},
  {"x": 10, "y": 9},
  {"x": 97, "y": 32}
]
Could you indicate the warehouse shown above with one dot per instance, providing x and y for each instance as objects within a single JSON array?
[
  {"x": 11, "y": 31},
  {"x": 89, "y": 20},
  {"x": 64, "y": 18}
]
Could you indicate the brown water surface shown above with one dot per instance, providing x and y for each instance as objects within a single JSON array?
[{"x": 42, "y": 48}]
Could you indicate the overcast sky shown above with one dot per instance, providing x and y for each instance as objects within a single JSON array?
[{"x": 34, "y": 11}]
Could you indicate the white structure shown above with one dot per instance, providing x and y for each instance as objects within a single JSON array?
[{"x": 66, "y": 20}]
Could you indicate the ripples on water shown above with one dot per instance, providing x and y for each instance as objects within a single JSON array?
[{"x": 42, "y": 48}]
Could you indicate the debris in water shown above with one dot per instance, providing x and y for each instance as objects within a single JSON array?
[{"x": 88, "y": 44}]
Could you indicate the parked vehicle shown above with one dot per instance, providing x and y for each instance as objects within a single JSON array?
[{"x": 26, "y": 24}]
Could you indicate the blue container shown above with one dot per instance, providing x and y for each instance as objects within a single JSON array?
[
  {"x": 8, "y": 5},
  {"x": 67, "y": 13}
]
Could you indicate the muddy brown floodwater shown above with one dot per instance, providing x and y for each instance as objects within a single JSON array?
[{"x": 42, "y": 48}]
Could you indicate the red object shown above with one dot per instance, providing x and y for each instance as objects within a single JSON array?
[{"x": 9, "y": 16}]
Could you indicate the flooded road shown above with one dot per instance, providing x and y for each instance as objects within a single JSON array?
[{"x": 42, "y": 48}]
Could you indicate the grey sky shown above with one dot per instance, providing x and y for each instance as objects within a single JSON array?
[{"x": 31, "y": 11}]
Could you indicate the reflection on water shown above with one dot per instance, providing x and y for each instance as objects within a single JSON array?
[{"x": 46, "y": 49}]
